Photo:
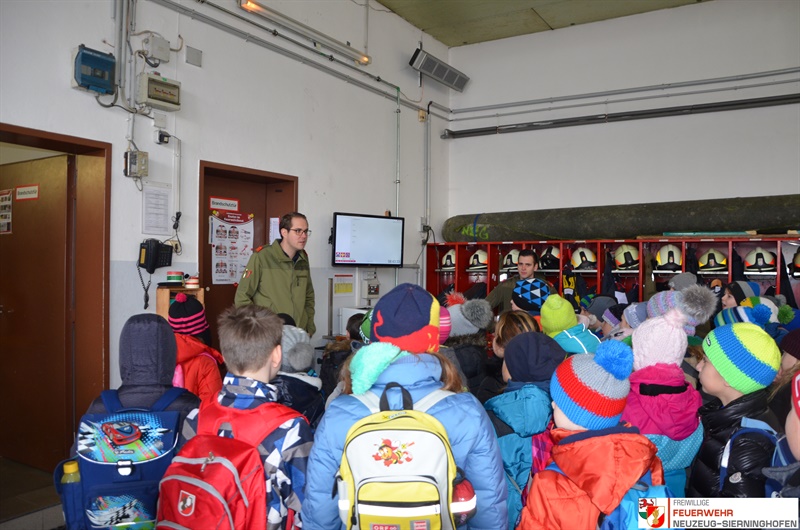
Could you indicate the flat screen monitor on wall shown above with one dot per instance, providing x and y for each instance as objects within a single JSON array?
[{"x": 361, "y": 240}]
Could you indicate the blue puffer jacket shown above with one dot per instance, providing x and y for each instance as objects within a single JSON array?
[
  {"x": 468, "y": 427},
  {"x": 676, "y": 457},
  {"x": 526, "y": 411},
  {"x": 577, "y": 339}
]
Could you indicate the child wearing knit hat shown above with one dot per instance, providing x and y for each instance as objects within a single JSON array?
[
  {"x": 661, "y": 403},
  {"x": 589, "y": 393},
  {"x": 635, "y": 314},
  {"x": 466, "y": 344},
  {"x": 696, "y": 302},
  {"x": 787, "y": 477},
  {"x": 523, "y": 409},
  {"x": 737, "y": 291},
  {"x": 740, "y": 361},
  {"x": 298, "y": 385},
  {"x": 593, "y": 307},
  {"x": 529, "y": 295},
  {"x": 560, "y": 322},
  {"x": 198, "y": 364},
  {"x": 612, "y": 319},
  {"x": 404, "y": 349}
]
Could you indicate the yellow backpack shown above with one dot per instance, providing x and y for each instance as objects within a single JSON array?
[{"x": 397, "y": 470}]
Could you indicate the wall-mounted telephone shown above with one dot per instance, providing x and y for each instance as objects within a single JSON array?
[{"x": 154, "y": 254}]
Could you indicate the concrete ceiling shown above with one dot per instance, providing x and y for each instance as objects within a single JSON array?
[{"x": 459, "y": 22}]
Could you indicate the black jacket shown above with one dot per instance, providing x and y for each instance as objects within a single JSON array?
[
  {"x": 749, "y": 452},
  {"x": 147, "y": 353},
  {"x": 302, "y": 393}
]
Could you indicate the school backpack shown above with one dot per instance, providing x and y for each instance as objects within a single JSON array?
[
  {"x": 633, "y": 507},
  {"x": 397, "y": 468},
  {"x": 218, "y": 482},
  {"x": 122, "y": 454},
  {"x": 752, "y": 426}
]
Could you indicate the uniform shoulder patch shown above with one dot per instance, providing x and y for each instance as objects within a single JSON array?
[{"x": 259, "y": 249}]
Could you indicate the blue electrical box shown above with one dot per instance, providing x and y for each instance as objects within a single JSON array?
[{"x": 94, "y": 70}]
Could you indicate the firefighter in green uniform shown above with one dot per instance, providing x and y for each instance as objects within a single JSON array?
[{"x": 278, "y": 276}]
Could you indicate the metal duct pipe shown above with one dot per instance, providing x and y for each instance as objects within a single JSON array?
[
  {"x": 773, "y": 214},
  {"x": 663, "y": 112},
  {"x": 634, "y": 90}
]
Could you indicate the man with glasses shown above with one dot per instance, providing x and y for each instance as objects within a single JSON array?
[{"x": 278, "y": 276}]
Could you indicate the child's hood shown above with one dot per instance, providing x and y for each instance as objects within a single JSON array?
[
  {"x": 654, "y": 409},
  {"x": 147, "y": 351},
  {"x": 606, "y": 463},
  {"x": 526, "y": 410},
  {"x": 189, "y": 348}
]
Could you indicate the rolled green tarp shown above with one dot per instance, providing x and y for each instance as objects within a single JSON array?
[{"x": 766, "y": 215}]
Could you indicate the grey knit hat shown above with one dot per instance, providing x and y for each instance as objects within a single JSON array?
[
  {"x": 470, "y": 317},
  {"x": 298, "y": 353},
  {"x": 681, "y": 281},
  {"x": 635, "y": 314}
]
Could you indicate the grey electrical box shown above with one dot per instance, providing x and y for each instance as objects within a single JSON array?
[{"x": 157, "y": 48}]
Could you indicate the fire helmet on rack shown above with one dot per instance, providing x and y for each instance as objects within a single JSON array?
[
  {"x": 478, "y": 261},
  {"x": 550, "y": 259},
  {"x": 583, "y": 258},
  {"x": 713, "y": 260},
  {"x": 626, "y": 257},
  {"x": 669, "y": 258},
  {"x": 510, "y": 260},
  {"x": 759, "y": 260},
  {"x": 449, "y": 260}
]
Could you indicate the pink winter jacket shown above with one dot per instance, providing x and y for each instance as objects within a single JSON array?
[{"x": 671, "y": 414}]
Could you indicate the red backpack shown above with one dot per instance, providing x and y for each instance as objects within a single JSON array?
[{"x": 217, "y": 482}]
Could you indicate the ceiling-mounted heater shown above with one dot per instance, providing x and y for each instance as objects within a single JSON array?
[{"x": 429, "y": 65}]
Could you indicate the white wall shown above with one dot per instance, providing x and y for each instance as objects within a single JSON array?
[
  {"x": 250, "y": 107},
  {"x": 726, "y": 154},
  {"x": 247, "y": 107}
]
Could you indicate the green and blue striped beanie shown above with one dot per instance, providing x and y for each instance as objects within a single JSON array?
[{"x": 744, "y": 355}]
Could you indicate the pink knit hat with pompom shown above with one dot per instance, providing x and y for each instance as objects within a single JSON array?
[{"x": 660, "y": 340}]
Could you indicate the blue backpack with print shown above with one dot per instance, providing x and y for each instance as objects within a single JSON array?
[{"x": 122, "y": 454}]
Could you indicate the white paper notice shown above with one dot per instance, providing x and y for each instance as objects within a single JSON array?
[
  {"x": 156, "y": 207},
  {"x": 274, "y": 230}
]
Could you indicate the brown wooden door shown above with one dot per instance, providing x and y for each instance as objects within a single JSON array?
[
  {"x": 263, "y": 194},
  {"x": 36, "y": 377}
]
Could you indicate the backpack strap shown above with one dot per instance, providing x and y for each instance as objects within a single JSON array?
[
  {"x": 376, "y": 404},
  {"x": 431, "y": 399},
  {"x": 248, "y": 425},
  {"x": 408, "y": 403},
  {"x": 113, "y": 404},
  {"x": 167, "y": 398},
  {"x": 370, "y": 400},
  {"x": 748, "y": 426},
  {"x": 111, "y": 400}
]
